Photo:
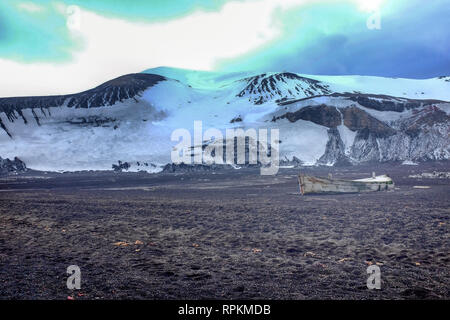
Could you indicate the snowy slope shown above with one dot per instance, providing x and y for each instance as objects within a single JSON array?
[
  {"x": 200, "y": 79},
  {"x": 435, "y": 88}
]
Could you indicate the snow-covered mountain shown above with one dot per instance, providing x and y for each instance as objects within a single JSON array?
[
  {"x": 322, "y": 119},
  {"x": 281, "y": 87}
]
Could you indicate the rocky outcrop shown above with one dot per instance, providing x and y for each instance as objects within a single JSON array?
[
  {"x": 334, "y": 150},
  {"x": 423, "y": 136},
  {"x": 281, "y": 87},
  {"x": 420, "y": 119},
  {"x": 387, "y": 103},
  {"x": 106, "y": 94},
  {"x": 120, "y": 166},
  {"x": 323, "y": 115},
  {"x": 358, "y": 120},
  {"x": 15, "y": 166},
  {"x": 365, "y": 148},
  {"x": 329, "y": 116},
  {"x": 251, "y": 151},
  {"x": 295, "y": 162},
  {"x": 373, "y": 101},
  {"x": 236, "y": 119}
]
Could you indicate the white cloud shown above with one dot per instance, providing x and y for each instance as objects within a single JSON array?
[
  {"x": 369, "y": 5},
  {"x": 114, "y": 47},
  {"x": 30, "y": 7}
]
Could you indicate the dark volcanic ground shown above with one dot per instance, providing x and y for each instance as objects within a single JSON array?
[{"x": 229, "y": 235}]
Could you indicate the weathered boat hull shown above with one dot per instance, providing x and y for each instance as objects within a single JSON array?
[{"x": 310, "y": 184}]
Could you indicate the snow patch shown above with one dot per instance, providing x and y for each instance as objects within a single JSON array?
[{"x": 409, "y": 163}]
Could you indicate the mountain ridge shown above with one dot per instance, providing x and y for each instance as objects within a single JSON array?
[{"x": 131, "y": 118}]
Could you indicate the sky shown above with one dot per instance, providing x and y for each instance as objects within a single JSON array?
[{"x": 66, "y": 46}]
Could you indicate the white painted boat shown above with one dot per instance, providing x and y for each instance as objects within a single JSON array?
[{"x": 310, "y": 184}]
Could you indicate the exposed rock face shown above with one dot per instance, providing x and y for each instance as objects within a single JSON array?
[
  {"x": 357, "y": 120},
  {"x": 374, "y": 101},
  {"x": 106, "y": 94},
  {"x": 94, "y": 121},
  {"x": 423, "y": 135},
  {"x": 323, "y": 115},
  {"x": 281, "y": 87},
  {"x": 236, "y": 119},
  {"x": 121, "y": 166},
  {"x": 386, "y": 103},
  {"x": 296, "y": 162},
  {"x": 251, "y": 151},
  {"x": 421, "y": 119},
  {"x": 2, "y": 125},
  {"x": 334, "y": 150},
  {"x": 12, "y": 166},
  {"x": 365, "y": 147},
  {"x": 329, "y": 116}
]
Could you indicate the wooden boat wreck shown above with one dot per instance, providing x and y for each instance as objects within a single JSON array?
[{"x": 310, "y": 184}]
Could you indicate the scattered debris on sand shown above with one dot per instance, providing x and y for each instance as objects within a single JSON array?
[{"x": 433, "y": 175}]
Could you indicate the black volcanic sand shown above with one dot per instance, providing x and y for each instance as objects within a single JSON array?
[{"x": 229, "y": 235}]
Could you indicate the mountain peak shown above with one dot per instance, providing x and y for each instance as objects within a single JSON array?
[
  {"x": 281, "y": 87},
  {"x": 108, "y": 93}
]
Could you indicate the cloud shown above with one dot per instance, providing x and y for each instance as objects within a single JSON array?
[
  {"x": 30, "y": 7},
  {"x": 240, "y": 35},
  {"x": 113, "y": 47},
  {"x": 412, "y": 43}
]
